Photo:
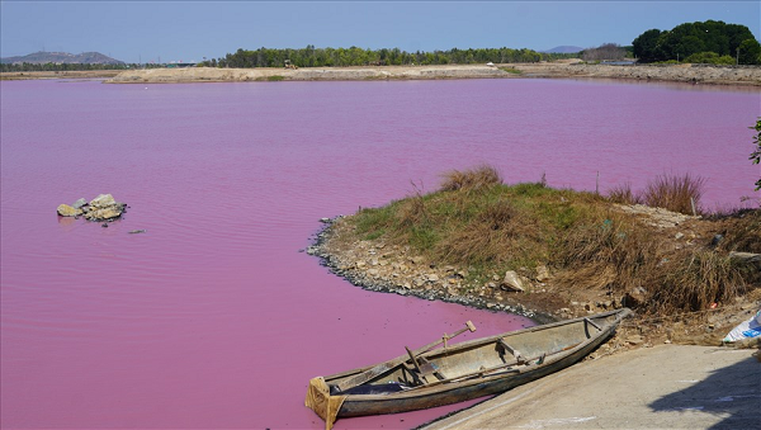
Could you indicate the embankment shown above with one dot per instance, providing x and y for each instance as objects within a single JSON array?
[{"x": 695, "y": 74}]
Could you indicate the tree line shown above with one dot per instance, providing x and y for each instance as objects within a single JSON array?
[
  {"x": 699, "y": 42},
  {"x": 354, "y": 56}
]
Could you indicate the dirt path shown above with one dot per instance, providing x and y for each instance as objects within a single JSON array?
[{"x": 668, "y": 386}]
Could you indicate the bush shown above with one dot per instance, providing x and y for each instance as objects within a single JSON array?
[{"x": 709, "y": 58}]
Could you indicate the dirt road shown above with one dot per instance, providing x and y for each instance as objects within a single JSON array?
[{"x": 665, "y": 387}]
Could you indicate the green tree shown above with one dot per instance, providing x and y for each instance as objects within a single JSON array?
[
  {"x": 749, "y": 52},
  {"x": 687, "y": 39},
  {"x": 646, "y": 47}
]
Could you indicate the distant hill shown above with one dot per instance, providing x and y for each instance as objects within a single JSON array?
[
  {"x": 62, "y": 58},
  {"x": 564, "y": 50}
]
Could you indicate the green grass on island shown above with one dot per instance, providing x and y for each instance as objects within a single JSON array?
[{"x": 476, "y": 222}]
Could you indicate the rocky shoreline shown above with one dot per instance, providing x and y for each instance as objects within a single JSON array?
[
  {"x": 747, "y": 76},
  {"x": 393, "y": 269}
]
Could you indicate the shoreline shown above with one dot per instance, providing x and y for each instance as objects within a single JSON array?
[
  {"x": 745, "y": 77},
  {"x": 741, "y": 76},
  {"x": 428, "y": 286}
]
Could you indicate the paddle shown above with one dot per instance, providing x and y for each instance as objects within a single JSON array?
[{"x": 388, "y": 365}]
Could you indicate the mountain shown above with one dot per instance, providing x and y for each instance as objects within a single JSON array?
[
  {"x": 62, "y": 58},
  {"x": 564, "y": 50}
]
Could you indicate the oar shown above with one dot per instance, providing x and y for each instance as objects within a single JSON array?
[
  {"x": 388, "y": 365},
  {"x": 468, "y": 327}
]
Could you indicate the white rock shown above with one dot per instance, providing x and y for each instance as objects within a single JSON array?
[
  {"x": 513, "y": 281},
  {"x": 103, "y": 201}
]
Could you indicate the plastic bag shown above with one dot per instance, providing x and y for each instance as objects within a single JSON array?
[{"x": 746, "y": 330}]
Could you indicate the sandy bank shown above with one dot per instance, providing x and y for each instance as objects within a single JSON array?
[{"x": 714, "y": 75}]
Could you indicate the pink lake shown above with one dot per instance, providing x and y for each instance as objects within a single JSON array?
[{"x": 214, "y": 318}]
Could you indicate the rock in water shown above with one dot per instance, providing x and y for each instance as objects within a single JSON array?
[
  {"x": 101, "y": 208},
  {"x": 104, "y": 214},
  {"x": 79, "y": 203},
  {"x": 104, "y": 207},
  {"x": 66, "y": 210},
  {"x": 103, "y": 201}
]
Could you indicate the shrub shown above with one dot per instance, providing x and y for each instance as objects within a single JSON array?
[
  {"x": 675, "y": 193},
  {"x": 710, "y": 58}
]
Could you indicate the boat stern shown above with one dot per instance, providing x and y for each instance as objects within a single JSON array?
[{"x": 319, "y": 400}]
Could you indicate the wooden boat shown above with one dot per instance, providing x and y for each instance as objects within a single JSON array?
[{"x": 429, "y": 377}]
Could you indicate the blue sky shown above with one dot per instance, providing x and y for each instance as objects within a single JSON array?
[{"x": 174, "y": 30}]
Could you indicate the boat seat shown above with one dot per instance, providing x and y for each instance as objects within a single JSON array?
[
  {"x": 429, "y": 372},
  {"x": 425, "y": 371},
  {"x": 592, "y": 323},
  {"x": 514, "y": 352}
]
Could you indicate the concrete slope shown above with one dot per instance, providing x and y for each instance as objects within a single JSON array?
[{"x": 666, "y": 387}]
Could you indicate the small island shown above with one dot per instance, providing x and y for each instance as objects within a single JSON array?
[{"x": 557, "y": 253}]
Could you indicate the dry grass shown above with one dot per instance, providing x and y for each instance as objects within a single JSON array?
[
  {"x": 699, "y": 280},
  {"x": 741, "y": 231},
  {"x": 624, "y": 195},
  {"x": 498, "y": 235},
  {"x": 675, "y": 193},
  {"x": 482, "y": 177}
]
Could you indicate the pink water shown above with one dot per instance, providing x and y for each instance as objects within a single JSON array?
[{"x": 213, "y": 318}]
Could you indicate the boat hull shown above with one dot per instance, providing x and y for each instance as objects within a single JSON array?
[
  {"x": 358, "y": 405},
  {"x": 465, "y": 371}
]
